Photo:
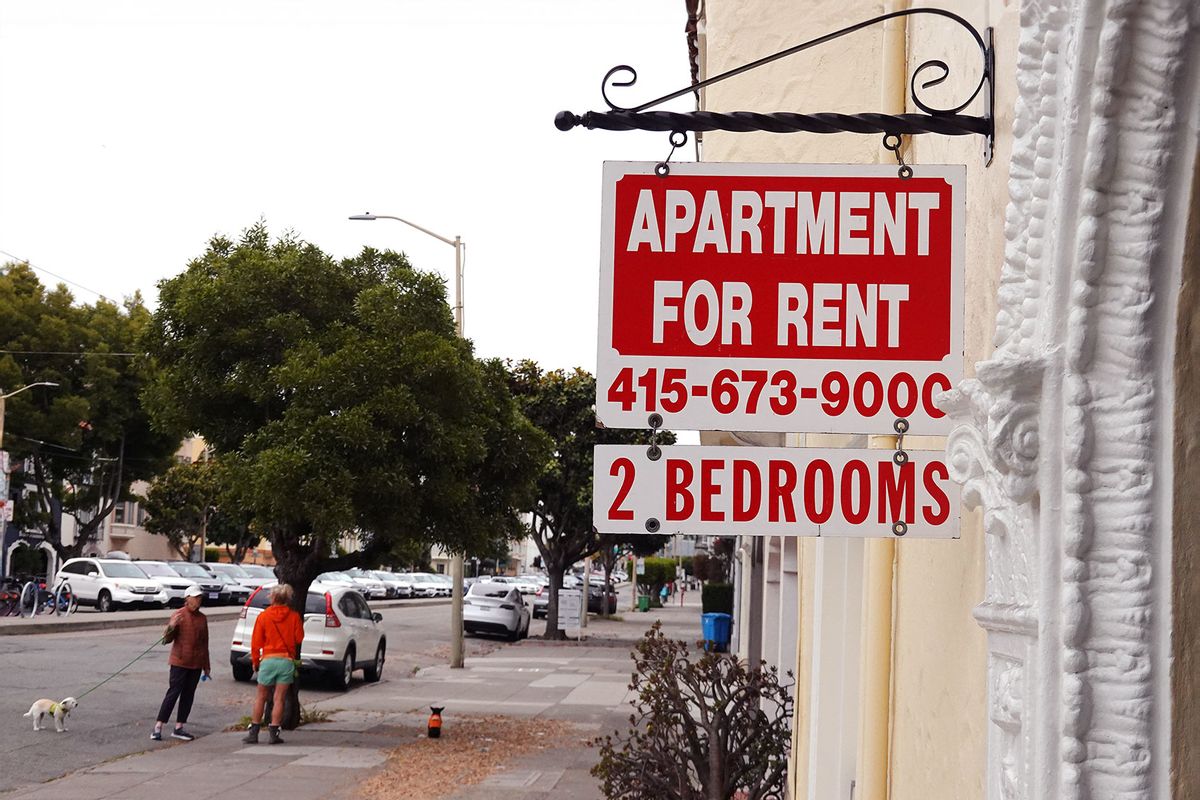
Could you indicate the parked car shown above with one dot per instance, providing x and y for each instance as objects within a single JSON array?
[
  {"x": 171, "y": 581},
  {"x": 342, "y": 579},
  {"x": 596, "y": 600},
  {"x": 527, "y": 584},
  {"x": 107, "y": 583},
  {"x": 240, "y": 575},
  {"x": 397, "y": 585},
  {"x": 215, "y": 589},
  {"x": 375, "y": 588},
  {"x": 238, "y": 591},
  {"x": 445, "y": 585},
  {"x": 341, "y": 635},
  {"x": 404, "y": 583},
  {"x": 424, "y": 585},
  {"x": 541, "y": 602},
  {"x": 491, "y": 607},
  {"x": 260, "y": 572}
]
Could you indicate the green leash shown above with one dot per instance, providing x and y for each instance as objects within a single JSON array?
[{"x": 157, "y": 642}]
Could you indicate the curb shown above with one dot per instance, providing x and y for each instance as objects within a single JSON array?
[{"x": 224, "y": 612}]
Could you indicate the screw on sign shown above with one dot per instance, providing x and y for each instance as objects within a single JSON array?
[
  {"x": 824, "y": 298},
  {"x": 774, "y": 491}
]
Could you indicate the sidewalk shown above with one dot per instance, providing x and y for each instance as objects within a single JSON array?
[
  {"x": 572, "y": 691},
  {"x": 88, "y": 619}
]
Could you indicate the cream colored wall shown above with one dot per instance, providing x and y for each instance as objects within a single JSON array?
[{"x": 937, "y": 736}]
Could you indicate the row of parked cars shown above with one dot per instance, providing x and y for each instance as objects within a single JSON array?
[{"x": 109, "y": 583}]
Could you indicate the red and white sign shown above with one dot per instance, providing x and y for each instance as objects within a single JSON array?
[
  {"x": 780, "y": 491},
  {"x": 820, "y": 298}
]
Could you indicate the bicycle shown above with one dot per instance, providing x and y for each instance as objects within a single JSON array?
[
  {"x": 10, "y": 597},
  {"x": 36, "y": 599}
]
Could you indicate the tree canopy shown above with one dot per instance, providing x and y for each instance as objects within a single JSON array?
[
  {"x": 77, "y": 447},
  {"x": 562, "y": 404},
  {"x": 340, "y": 398}
]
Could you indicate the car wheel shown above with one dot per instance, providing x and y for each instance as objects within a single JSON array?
[
  {"x": 341, "y": 679},
  {"x": 525, "y": 630},
  {"x": 105, "y": 602},
  {"x": 515, "y": 633},
  {"x": 242, "y": 673},
  {"x": 374, "y": 672}
]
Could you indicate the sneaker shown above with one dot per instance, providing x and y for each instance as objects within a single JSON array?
[
  {"x": 156, "y": 735},
  {"x": 180, "y": 733}
]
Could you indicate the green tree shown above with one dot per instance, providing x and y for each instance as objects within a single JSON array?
[
  {"x": 342, "y": 402},
  {"x": 80, "y": 446},
  {"x": 615, "y": 546},
  {"x": 562, "y": 404},
  {"x": 180, "y": 503}
]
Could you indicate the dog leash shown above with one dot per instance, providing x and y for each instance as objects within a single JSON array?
[{"x": 156, "y": 643}]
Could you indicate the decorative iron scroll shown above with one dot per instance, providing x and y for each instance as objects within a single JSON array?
[{"x": 945, "y": 121}]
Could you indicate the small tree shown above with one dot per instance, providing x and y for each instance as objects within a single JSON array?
[
  {"x": 707, "y": 728},
  {"x": 180, "y": 503},
  {"x": 614, "y": 546}
]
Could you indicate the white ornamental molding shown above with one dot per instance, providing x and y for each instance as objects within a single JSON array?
[{"x": 1063, "y": 428}]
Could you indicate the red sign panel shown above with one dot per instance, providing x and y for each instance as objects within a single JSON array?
[{"x": 780, "y": 297}]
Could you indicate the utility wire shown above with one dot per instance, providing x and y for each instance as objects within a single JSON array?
[{"x": 31, "y": 265}]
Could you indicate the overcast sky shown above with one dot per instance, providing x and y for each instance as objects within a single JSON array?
[{"x": 133, "y": 131}]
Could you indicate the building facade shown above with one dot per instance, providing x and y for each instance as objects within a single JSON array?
[{"x": 1049, "y": 652}]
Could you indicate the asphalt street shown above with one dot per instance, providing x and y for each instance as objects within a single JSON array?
[{"x": 116, "y": 719}]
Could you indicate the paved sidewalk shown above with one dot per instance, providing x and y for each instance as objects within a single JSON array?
[
  {"x": 88, "y": 619},
  {"x": 581, "y": 682}
]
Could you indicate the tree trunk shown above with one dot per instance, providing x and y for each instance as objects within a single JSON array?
[
  {"x": 556, "y": 579},
  {"x": 608, "y": 568}
]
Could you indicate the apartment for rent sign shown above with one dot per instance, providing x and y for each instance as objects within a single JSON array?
[{"x": 780, "y": 297}]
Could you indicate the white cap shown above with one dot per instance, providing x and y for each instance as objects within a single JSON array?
[{"x": 193, "y": 591}]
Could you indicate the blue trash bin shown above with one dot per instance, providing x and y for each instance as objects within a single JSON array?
[{"x": 715, "y": 628}]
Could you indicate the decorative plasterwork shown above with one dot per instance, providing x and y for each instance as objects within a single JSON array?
[{"x": 1061, "y": 437}]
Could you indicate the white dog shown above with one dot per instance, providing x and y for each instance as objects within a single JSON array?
[{"x": 43, "y": 708}]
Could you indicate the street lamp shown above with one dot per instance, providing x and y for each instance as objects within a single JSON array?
[
  {"x": 456, "y": 561},
  {"x": 4, "y": 397},
  {"x": 456, "y": 243}
]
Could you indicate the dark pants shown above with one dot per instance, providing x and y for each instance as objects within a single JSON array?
[{"x": 182, "y": 688}]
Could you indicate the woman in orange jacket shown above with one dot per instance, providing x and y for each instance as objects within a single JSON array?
[{"x": 275, "y": 655}]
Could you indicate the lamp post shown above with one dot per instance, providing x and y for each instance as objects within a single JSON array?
[
  {"x": 456, "y": 561},
  {"x": 4, "y": 398}
]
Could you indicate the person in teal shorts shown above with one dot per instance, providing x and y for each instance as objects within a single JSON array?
[{"x": 275, "y": 656}]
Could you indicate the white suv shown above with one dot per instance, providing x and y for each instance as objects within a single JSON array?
[
  {"x": 109, "y": 582},
  {"x": 341, "y": 635},
  {"x": 171, "y": 581}
]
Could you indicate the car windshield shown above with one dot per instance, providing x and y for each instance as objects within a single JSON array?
[
  {"x": 190, "y": 570},
  {"x": 117, "y": 569},
  {"x": 258, "y": 571},
  {"x": 499, "y": 590},
  {"x": 157, "y": 569},
  {"x": 232, "y": 570}
]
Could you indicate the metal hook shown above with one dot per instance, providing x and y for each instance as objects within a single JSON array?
[
  {"x": 662, "y": 169},
  {"x": 894, "y": 142}
]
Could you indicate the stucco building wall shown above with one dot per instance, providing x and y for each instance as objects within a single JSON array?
[{"x": 934, "y": 696}]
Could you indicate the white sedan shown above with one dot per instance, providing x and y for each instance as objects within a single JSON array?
[{"x": 491, "y": 607}]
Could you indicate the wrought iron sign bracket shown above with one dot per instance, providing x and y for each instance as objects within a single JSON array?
[{"x": 945, "y": 121}]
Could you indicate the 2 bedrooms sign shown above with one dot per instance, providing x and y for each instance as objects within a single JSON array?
[
  {"x": 783, "y": 491},
  {"x": 821, "y": 298}
]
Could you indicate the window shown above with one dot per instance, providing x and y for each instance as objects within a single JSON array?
[
  {"x": 119, "y": 514},
  {"x": 75, "y": 569},
  {"x": 118, "y": 569}
]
